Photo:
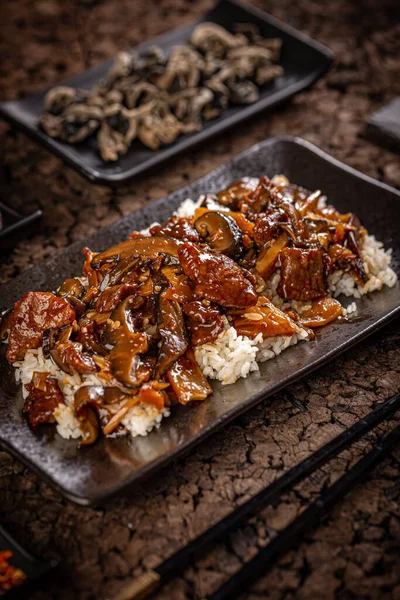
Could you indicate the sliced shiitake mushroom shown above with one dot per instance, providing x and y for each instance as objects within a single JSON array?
[
  {"x": 186, "y": 379},
  {"x": 351, "y": 242},
  {"x": 72, "y": 290},
  {"x": 171, "y": 328},
  {"x": 71, "y": 287},
  {"x": 143, "y": 246},
  {"x": 127, "y": 344},
  {"x": 49, "y": 339},
  {"x": 90, "y": 404},
  {"x": 220, "y": 232},
  {"x": 87, "y": 401}
]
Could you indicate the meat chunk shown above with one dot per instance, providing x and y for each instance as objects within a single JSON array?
[
  {"x": 304, "y": 273},
  {"x": 217, "y": 278},
  {"x": 204, "y": 322},
  {"x": 180, "y": 286},
  {"x": 89, "y": 337},
  {"x": 178, "y": 228},
  {"x": 234, "y": 195},
  {"x": 43, "y": 398},
  {"x": 70, "y": 358},
  {"x": 267, "y": 227},
  {"x": 113, "y": 295},
  {"x": 32, "y": 315}
]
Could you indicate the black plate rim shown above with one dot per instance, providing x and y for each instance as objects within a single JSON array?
[
  {"x": 251, "y": 401},
  {"x": 167, "y": 152},
  {"x": 21, "y": 222}
]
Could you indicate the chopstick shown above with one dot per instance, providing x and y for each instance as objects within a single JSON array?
[
  {"x": 142, "y": 586},
  {"x": 266, "y": 557}
]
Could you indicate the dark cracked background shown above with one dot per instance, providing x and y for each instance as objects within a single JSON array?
[{"x": 354, "y": 554}]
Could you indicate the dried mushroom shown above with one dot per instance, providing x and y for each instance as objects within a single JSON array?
[
  {"x": 154, "y": 99},
  {"x": 59, "y": 98},
  {"x": 210, "y": 37},
  {"x": 183, "y": 69}
]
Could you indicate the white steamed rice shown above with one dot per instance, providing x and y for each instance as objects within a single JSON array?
[
  {"x": 376, "y": 262},
  {"x": 139, "y": 420},
  {"x": 231, "y": 356}
]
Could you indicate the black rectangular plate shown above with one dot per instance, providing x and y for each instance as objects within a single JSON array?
[
  {"x": 22, "y": 559},
  {"x": 90, "y": 475},
  {"x": 15, "y": 225},
  {"x": 303, "y": 60}
]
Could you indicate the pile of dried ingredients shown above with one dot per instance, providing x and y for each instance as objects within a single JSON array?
[{"x": 155, "y": 98}]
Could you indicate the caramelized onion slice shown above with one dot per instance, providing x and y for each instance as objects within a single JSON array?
[
  {"x": 268, "y": 257},
  {"x": 310, "y": 204},
  {"x": 321, "y": 312},
  {"x": 119, "y": 415},
  {"x": 187, "y": 380},
  {"x": 264, "y": 318}
]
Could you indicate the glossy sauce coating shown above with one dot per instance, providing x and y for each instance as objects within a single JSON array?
[
  {"x": 144, "y": 304},
  {"x": 217, "y": 278},
  {"x": 32, "y": 315}
]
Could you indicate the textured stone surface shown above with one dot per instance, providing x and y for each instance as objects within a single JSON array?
[{"x": 354, "y": 553}]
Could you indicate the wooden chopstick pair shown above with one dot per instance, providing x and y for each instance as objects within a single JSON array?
[{"x": 143, "y": 586}]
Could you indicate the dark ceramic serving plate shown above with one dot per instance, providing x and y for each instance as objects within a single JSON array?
[
  {"x": 91, "y": 474},
  {"x": 303, "y": 60}
]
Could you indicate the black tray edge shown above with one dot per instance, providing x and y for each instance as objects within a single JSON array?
[{"x": 23, "y": 223}]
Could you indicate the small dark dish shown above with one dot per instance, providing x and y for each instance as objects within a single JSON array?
[
  {"x": 303, "y": 61},
  {"x": 92, "y": 474},
  {"x": 31, "y": 567},
  {"x": 15, "y": 224},
  {"x": 383, "y": 126}
]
